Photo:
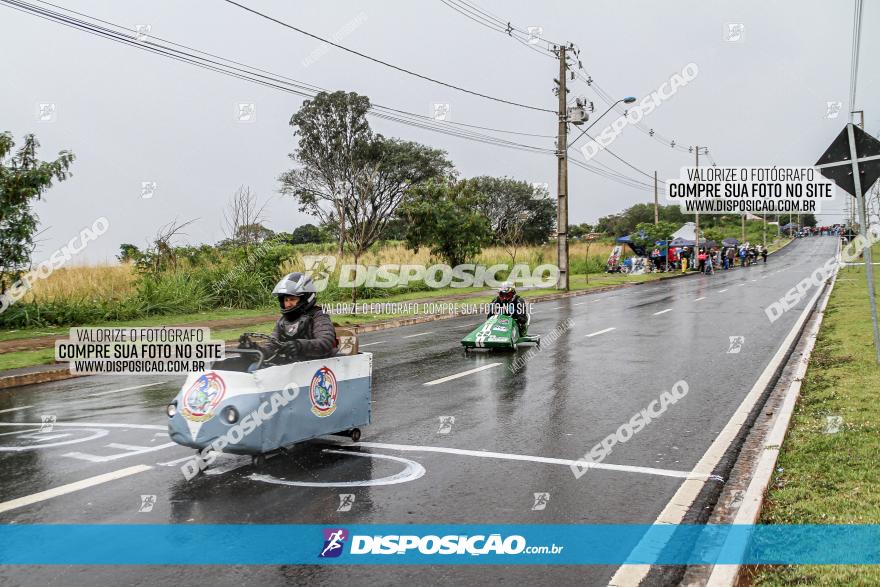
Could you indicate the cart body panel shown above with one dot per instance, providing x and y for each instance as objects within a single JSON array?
[{"x": 276, "y": 406}]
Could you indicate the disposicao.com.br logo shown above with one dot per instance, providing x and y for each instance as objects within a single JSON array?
[{"x": 453, "y": 544}]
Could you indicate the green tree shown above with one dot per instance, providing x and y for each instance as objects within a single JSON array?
[
  {"x": 442, "y": 216},
  {"x": 646, "y": 234},
  {"x": 808, "y": 220},
  {"x": 580, "y": 230},
  {"x": 332, "y": 128},
  {"x": 508, "y": 201},
  {"x": 129, "y": 253},
  {"x": 306, "y": 234},
  {"x": 23, "y": 180},
  {"x": 625, "y": 222}
]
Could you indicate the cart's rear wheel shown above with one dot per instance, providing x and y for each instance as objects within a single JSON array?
[
  {"x": 355, "y": 434},
  {"x": 258, "y": 460}
]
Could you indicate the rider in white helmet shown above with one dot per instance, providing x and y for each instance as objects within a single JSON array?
[{"x": 304, "y": 332}]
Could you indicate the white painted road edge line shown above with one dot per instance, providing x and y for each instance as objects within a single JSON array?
[
  {"x": 678, "y": 506},
  {"x": 698, "y": 299},
  {"x": 598, "y": 332},
  {"x": 662, "y": 311},
  {"x": 722, "y": 290},
  {"x": 419, "y": 334},
  {"x": 377, "y": 342},
  {"x": 518, "y": 457},
  {"x": 462, "y": 374},
  {"x": 750, "y": 507},
  {"x": 127, "y": 389},
  {"x": 71, "y": 487}
]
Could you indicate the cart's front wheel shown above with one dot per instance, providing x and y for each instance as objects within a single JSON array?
[
  {"x": 355, "y": 434},
  {"x": 258, "y": 460}
]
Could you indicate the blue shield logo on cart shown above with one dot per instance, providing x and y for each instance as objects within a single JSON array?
[
  {"x": 202, "y": 397},
  {"x": 322, "y": 392}
]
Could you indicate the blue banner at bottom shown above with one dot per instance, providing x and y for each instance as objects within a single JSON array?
[{"x": 438, "y": 544}]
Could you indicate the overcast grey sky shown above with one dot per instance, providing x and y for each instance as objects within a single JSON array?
[{"x": 130, "y": 116}]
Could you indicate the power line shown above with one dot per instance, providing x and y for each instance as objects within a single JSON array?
[
  {"x": 385, "y": 63},
  {"x": 284, "y": 84}
]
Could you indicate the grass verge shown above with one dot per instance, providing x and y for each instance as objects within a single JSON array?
[{"x": 826, "y": 477}]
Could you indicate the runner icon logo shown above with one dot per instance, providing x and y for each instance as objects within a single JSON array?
[
  {"x": 346, "y": 500},
  {"x": 446, "y": 423},
  {"x": 334, "y": 540},
  {"x": 48, "y": 422},
  {"x": 541, "y": 500},
  {"x": 736, "y": 343},
  {"x": 147, "y": 503}
]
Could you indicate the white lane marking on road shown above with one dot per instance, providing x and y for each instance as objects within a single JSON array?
[
  {"x": 556, "y": 307},
  {"x": 598, "y": 332},
  {"x": 127, "y": 389},
  {"x": 580, "y": 303},
  {"x": 763, "y": 277},
  {"x": 419, "y": 334},
  {"x": 129, "y": 450},
  {"x": 687, "y": 493},
  {"x": 722, "y": 290},
  {"x": 754, "y": 280},
  {"x": 698, "y": 299},
  {"x": 740, "y": 284},
  {"x": 462, "y": 374},
  {"x": 44, "y": 438},
  {"x": 71, "y": 487},
  {"x": 90, "y": 425},
  {"x": 662, "y": 311},
  {"x": 15, "y": 409},
  {"x": 411, "y": 472},
  {"x": 518, "y": 457},
  {"x": 377, "y": 342},
  {"x": 96, "y": 433}
]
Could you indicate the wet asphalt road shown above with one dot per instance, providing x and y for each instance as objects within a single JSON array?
[{"x": 567, "y": 397}]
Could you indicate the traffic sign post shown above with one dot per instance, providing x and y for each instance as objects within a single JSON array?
[{"x": 852, "y": 161}]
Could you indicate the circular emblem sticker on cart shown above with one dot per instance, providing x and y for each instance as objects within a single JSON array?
[
  {"x": 202, "y": 397},
  {"x": 322, "y": 392}
]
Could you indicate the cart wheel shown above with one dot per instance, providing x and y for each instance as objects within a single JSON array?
[
  {"x": 355, "y": 434},
  {"x": 538, "y": 342},
  {"x": 258, "y": 460}
]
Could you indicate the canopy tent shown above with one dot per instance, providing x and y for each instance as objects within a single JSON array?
[{"x": 730, "y": 242}]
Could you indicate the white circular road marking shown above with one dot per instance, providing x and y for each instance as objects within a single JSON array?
[{"x": 411, "y": 472}]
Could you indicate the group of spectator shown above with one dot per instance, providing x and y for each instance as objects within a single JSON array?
[{"x": 707, "y": 260}]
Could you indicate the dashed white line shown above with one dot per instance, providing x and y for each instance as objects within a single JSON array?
[
  {"x": 462, "y": 374},
  {"x": 580, "y": 303},
  {"x": 71, "y": 487},
  {"x": 598, "y": 332},
  {"x": 698, "y": 299},
  {"x": 662, "y": 311},
  {"x": 722, "y": 290},
  {"x": 740, "y": 284},
  {"x": 377, "y": 342},
  {"x": 419, "y": 334}
]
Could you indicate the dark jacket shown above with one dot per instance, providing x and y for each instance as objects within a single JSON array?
[
  {"x": 313, "y": 331},
  {"x": 516, "y": 307}
]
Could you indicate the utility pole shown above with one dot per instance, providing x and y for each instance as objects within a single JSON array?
[
  {"x": 765, "y": 230},
  {"x": 697, "y": 224},
  {"x": 656, "y": 207},
  {"x": 562, "y": 178}
]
